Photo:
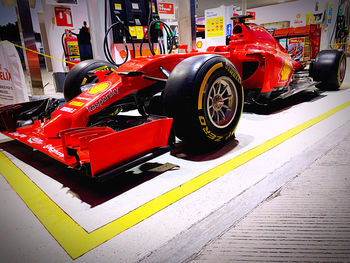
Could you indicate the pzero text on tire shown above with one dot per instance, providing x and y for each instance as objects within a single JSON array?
[
  {"x": 329, "y": 68},
  {"x": 79, "y": 76},
  {"x": 204, "y": 95}
]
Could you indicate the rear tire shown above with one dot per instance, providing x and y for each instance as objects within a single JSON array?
[
  {"x": 204, "y": 95},
  {"x": 329, "y": 68},
  {"x": 78, "y": 76}
]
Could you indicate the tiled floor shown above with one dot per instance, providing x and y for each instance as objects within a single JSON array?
[{"x": 308, "y": 220}]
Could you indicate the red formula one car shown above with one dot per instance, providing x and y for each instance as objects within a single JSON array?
[{"x": 200, "y": 95}]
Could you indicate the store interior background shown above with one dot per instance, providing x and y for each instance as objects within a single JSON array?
[{"x": 48, "y": 41}]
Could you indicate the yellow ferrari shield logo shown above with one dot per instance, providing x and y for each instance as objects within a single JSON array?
[{"x": 286, "y": 70}]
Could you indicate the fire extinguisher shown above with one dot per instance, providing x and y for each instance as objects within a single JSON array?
[{"x": 70, "y": 48}]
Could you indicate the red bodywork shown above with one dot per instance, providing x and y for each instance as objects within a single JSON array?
[{"x": 102, "y": 147}]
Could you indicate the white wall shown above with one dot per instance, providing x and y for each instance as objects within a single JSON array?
[
  {"x": 96, "y": 10},
  {"x": 288, "y": 12},
  {"x": 34, "y": 15},
  {"x": 284, "y": 12},
  {"x": 54, "y": 32}
]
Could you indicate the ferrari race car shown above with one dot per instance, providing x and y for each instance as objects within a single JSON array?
[{"x": 199, "y": 97}]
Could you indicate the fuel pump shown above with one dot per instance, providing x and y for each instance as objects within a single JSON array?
[
  {"x": 134, "y": 23},
  {"x": 341, "y": 31}
]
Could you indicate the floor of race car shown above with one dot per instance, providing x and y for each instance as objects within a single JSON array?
[{"x": 50, "y": 214}]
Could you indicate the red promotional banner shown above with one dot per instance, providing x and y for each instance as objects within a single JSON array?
[
  {"x": 251, "y": 13},
  {"x": 166, "y": 10}
]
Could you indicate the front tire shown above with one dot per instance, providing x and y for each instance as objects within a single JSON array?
[
  {"x": 329, "y": 68},
  {"x": 79, "y": 76},
  {"x": 204, "y": 95}
]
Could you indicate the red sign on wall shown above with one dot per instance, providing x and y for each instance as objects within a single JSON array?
[
  {"x": 63, "y": 16},
  {"x": 166, "y": 10},
  {"x": 251, "y": 13}
]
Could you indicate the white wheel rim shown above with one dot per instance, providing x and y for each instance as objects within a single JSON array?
[
  {"x": 342, "y": 69},
  {"x": 222, "y": 102}
]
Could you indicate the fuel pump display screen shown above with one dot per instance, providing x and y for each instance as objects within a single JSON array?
[{"x": 134, "y": 15}]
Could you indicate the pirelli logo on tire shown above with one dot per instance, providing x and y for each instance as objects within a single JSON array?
[
  {"x": 210, "y": 134},
  {"x": 233, "y": 73},
  {"x": 204, "y": 83}
]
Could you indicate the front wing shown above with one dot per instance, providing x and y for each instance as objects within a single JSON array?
[{"x": 101, "y": 149}]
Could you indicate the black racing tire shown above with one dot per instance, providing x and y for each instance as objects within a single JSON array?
[
  {"x": 329, "y": 68},
  {"x": 204, "y": 96},
  {"x": 78, "y": 76}
]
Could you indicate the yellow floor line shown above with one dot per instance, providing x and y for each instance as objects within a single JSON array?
[{"x": 76, "y": 241}]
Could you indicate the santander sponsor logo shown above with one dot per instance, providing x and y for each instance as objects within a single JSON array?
[
  {"x": 35, "y": 140},
  {"x": 53, "y": 150},
  {"x": 67, "y": 109},
  {"x": 16, "y": 134}
]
